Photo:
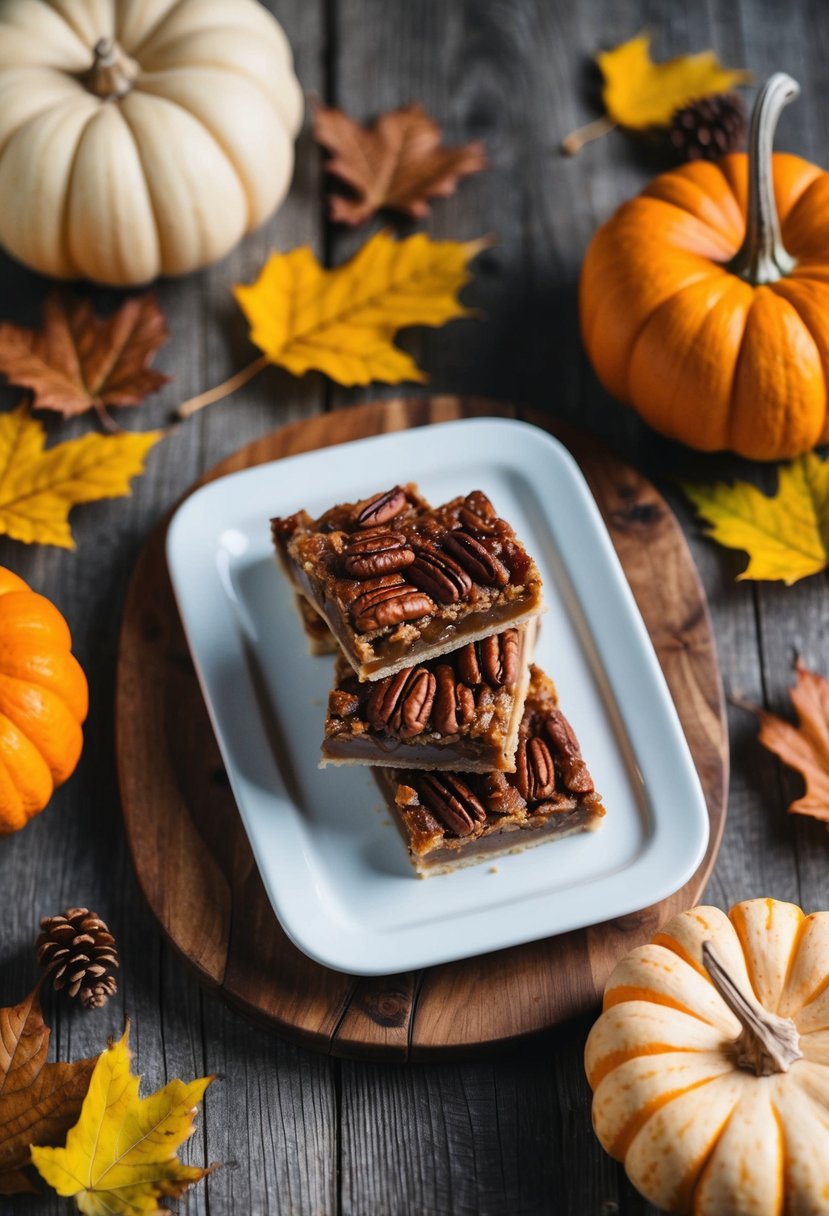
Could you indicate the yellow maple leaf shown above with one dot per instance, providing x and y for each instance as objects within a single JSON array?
[
  {"x": 38, "y": 488},
  {"x": 121, "y": 1155},
  {"x": 342, "y": 321},
  {"x": 786, "y": 535},
  {"x": 639, "y": 93}
]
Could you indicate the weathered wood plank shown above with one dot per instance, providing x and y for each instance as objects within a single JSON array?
[
  {"x": 476, "y": 1138},
  {"x": 273, "y": 1113}
]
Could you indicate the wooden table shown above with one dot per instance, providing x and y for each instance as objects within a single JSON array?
[{"x": 298, "y": 1132}]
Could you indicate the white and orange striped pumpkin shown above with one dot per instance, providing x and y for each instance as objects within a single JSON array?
[
  {"x": 140, "y": 137},
  {"x": 710, "y": 1063}
]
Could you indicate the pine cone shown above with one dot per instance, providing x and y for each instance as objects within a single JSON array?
[
  {"x": 78, "y": 951},
  {"x": 708, "y": 128}
]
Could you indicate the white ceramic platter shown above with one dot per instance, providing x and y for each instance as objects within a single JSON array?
[{"x": 333, "y": 864}]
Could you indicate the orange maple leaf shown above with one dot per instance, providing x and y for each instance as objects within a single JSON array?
[
  {"x": 397, "y": 162},
  {"x": 78, "y": 362},
  {"x": 804, "y": 747},
  {"x": 39, "y": 1102}
]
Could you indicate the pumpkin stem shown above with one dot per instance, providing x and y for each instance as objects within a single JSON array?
[
  {"x": 113, "y": 73},
  {"x": 768, "y": 1043},
  {"x": 762, "y": 258}
]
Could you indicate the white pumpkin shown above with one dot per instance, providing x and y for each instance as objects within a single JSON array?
[
  {"x": 710, "y": 1063},
  {"x": 140, "y": 137}
]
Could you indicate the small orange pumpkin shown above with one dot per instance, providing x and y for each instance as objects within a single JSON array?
[
  {"x": 43, "y": 702},
  {"x": 705, "y": 300}
]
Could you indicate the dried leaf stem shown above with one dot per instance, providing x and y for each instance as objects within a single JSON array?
[
  {"x": 224, "y": 389},
  {"x": 575, "y": 141}
]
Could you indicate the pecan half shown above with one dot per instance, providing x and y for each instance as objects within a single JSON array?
[
  {"x": 377, "y": 551},
  {"x": 454, "y": 705},
  {"x": 499, "y": 659},
  {"x": 477, "y": 515},
  {"x": 451, "y": 799},
  {"x": 438, "y": 575},
  {"x": 468, "y": 664},
  {"x": 351, "y": 591},
  {"x": 574, "y": 772},
  {"x": 492, "y": 661},
  {"x": 400, "y": 705},
  {"x": 484, "y": 566},
  {"x": 380, "y": 606},
  {"x": 478, "y": 502},
  {"x": 535, "y": 773},
  {"x": 379, "y": 509}
]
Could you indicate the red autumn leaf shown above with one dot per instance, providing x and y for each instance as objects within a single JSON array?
[
  {"x": 397, "y": 162},
  {"x": 804, "y": 747},
  {"x": 78, "y": 362}
]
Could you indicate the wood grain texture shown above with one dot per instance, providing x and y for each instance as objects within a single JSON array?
[
  {"x": 303, "y": 1134},
  {"x": 193, "y": 860}
]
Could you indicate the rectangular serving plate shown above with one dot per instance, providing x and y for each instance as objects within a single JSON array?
[{"x": 332, "y": 863}]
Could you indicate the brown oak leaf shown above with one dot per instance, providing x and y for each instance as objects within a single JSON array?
[
  {"x": 78, "y": 362},
  {"x": 804, "y": 747},
  {"x": 397, "y": 162},
  {"x": 39, "y": 1102}
]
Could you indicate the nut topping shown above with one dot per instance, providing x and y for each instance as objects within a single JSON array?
[
  {"x": 451, "y": 799},
  {"x": 476, "y": 560},
  {"x": 468, "y": 664},
  {"x": 378, "y": 607},
  {"x": 492, "y": 661},
  {"x": 473, "y": 524},
  {"x": 535, "y": 774},
  {"x": 454, "y": 705},
  {"x": 438, "y": 575},
  {"x": 574, "y": 772},
  {"x": 400, "y": 705},
  {"x": 499, "y": 659},
  {"x": 352, "y": 591},
  {"x": 477, "y": 515},
  {"x": 379, "y": 509},
  {"x": 466, "y": 705},
  {"x": 376, "y": 551},
  {"x": 478, "y": 503}
]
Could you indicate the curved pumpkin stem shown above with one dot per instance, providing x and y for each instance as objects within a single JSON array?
[
  {"x": 113, "y": 72},
  {"x": 762, "y": 258},
  {"x": 768, "y": 1043}
]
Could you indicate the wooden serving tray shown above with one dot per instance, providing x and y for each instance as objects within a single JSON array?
[{"x": 192, "y": 856}]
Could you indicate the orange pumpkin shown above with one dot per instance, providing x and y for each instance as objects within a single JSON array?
[
  {"x": 705, "y": 301},
  {"x": 43, "y": 702}
]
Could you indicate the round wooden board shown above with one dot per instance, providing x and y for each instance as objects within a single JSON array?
[{"x": 192, "y": 856}]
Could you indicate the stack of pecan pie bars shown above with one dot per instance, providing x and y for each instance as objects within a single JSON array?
[{"x": 433, "y": 614}]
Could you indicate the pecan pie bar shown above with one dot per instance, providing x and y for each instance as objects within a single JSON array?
[
  {"x": 399, "y": 582},
  {"x": 461, "y": 710},
  {"x": 453, "y": 819}
]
